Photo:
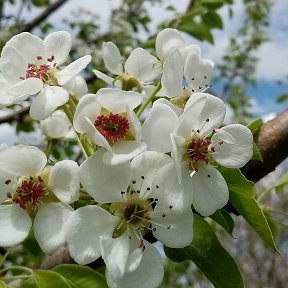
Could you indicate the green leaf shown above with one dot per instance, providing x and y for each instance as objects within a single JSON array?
[
  {"x": 255, "y": 125},
  {"x": 81, "y": 276},
  {"x": 256, "y": 153},
  {"x": 2, "y": 284},
  {"x": 282, "y": 98},
  {"x": 281, "y": 183},
  {"x": 40, "y": 3},
  {"x": 199, "y": 31},
  {"x": 210, "y": 257},
  {"x": 213, "y": 3},
  {"x": 30, "y": 283},
  {"x": 50, "y": 279},
  {"x": 213, "y": 20},
  {"x": 224, "y": 219},
  {"x": 242, "y": 198}
]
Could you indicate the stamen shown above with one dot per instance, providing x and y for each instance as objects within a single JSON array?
[
  {"x": 7, "y": 182},
  {"x": 113, "y": 126}
]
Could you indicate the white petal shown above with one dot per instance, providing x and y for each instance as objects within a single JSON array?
[
  {"x": 95, "y": 136},
  {"x": 115, "y": 254},
  {"x": 180, "y": 232},
  {"x": 95, "y": 175},
  {"x": 83, "y": 231},
  {"x": 27, "y": 87},
  {"x": 197, "y": 71},
  {"x": 89, "y": 107},
  {"x": 22, "y": 160},
  {"x": 12, "y": 64},
  {"x": 149, "y": 273},
  {"x": 167, "y": 41},
  {"x": 142, "y": 65},
  {"x": 203, "y": 112},
  {"x": 56, "y": 126},
  {"x": 47, "y": 101},
  {"x": 50, "y": 224},
  {"x": 72, "y": 69},
  {"x": 77, "y": 86},
  {"x": 112, "y": 58},
  {"x": 64, "y": 181},
  {"x": 210, "y": 191},
  {"x": 237, "y": 154},
  {"x": 5, "y": 188},
  {"x": 158, "y": 126},
  {"x": 15, "y": 225},
  {"x": 58, "y": 44},
  {"x": 190, "y": 49},
  {"x": 134, "y": 124},
  {"x": 30, "y": 46},
  {"x": 172, "y": 77},
  {"x": 170, "y": 193},
  {"x": 108, "y": 80},
  {"x": 123, "y": 151},
  {"x": 116, "y": 100},
  {"x": 147, "y": 164},
  {"x": 176, "y": 109}
]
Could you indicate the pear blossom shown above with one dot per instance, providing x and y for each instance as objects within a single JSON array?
[
  {"x": 136, "y": 74},
  {"x": 196, "y": 140},
  {"x": 76, "y": 87},
  {"x": 30, "y": 66},
  {"x": 181, "y": 79},
  {"x": 118, "y": 234},
  {"x": 56, "y": 126},
  {"x": 109, "y": 121},
  {"x": 32, "y": 192}
]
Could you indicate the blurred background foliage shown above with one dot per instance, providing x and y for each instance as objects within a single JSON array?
[{"x": 128, "y": 27}]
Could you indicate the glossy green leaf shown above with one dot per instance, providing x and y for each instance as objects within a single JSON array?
[
  {"x": 50, "y": 279},
  {"x": 81, "y": 276},
  {"x": 199, "y": 31},
  {"x": 242, "y": 198},
  {"x": 256, "y": 153},
  {"x": 30, "y": 283},
  {"x": 281, "y": 183},
  {"x": 255, "y": 125},
  {"x": 2, "y": 284},
  {"x": 282, "y": 98},
  {"x": 223, "y": 218},
  {"x": 40, "y": 3},
  {"x": 213, "y": 20},
  {"x": 210, "y": 257}
]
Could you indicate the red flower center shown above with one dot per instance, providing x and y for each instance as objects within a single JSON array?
[
  {"x": 198, "y": 151},
  {"x": 113, "y": 126},
  {"x": 29, "y": 192},
  {"x": 40, "y": 71}
]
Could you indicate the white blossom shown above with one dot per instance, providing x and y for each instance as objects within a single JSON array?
[
  {"x": 32, "y": 192},
  {"x": 30, "y": 65}
]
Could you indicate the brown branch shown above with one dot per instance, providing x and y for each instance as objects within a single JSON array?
[
  {"x": 272, "y": 141},
  {"x": 43, "y": 16}
]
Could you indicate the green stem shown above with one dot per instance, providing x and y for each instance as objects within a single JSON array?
[
  {"x": 15, "y": 277},
  {"x": 49, "y": 147},
  {"x": 17, "y": 268},
  {"x": 2, "y": 260},
  {"x": 148, "y": 100},
  {"x": 83, "y": 144}
]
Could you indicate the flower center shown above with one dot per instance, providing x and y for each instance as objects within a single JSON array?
[
  {"x": 45, "y": 72},
  {"x": 113, "y": 126},
  {"x": 29, "y": 192},
  {"x": 198, "y": 150}
]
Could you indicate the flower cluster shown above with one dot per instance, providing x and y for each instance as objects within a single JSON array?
[{"x": 146, "y": 178}]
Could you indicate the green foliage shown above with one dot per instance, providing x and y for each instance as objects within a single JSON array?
[
  {"x": 81, "y": 276},
  {"x": 255, "y": 125},
  {"x": 2, "y": 284},
  {"x": 40, "y": 3},
  {"x": 50, "y": 279},
  {"x": 281, "y": 183},
  {"x": 242, "y": 198},
  {"x": 282, "y": 98},
  {"x": 224, "y": 219},
  {"x": 210, "y": 257}
]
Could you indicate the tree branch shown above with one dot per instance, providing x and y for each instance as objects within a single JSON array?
[
  {"x": 272, "y": 141},
  {"x": 41, "y": 17}
]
